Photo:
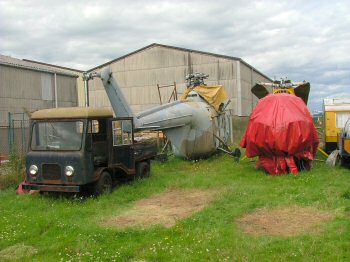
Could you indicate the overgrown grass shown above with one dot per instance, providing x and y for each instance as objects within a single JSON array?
[
  {"x": 69, "y": 229},
  {"x": 13, "y": 172}
]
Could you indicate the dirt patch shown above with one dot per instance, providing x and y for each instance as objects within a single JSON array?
[
  {"x": 17, "y": 251},
  {"x": 285, "y": 221},
  {"x": 347, "y": 214},
  {"x": 164, "y": 209}
]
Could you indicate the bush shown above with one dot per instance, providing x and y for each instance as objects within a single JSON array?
[{"x": 13, "y": 172}]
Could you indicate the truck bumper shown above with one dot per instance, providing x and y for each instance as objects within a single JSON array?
[{"x": 51, "y": 188}]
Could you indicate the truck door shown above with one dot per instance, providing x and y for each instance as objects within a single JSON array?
[
  {"x": 98, "y": 140},
  {"x": 122, "y": 152}
]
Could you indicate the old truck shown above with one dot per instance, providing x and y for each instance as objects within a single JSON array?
[{"x": 79, "y": 149}]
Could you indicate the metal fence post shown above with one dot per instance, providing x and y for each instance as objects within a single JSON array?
[
  {"x": 9, "y": 132},
  {"x": 24, "y": 140}
]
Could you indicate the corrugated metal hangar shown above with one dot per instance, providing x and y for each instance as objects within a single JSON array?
[
  {"x": 139, "y": 72},
  {"x": 27, "y": 85}
]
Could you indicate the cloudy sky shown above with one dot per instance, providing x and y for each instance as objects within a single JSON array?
[{"x": 301, "y": 40}]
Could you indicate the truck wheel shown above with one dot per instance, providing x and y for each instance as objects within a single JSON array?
[
  {"x": 142, "y": 170},
  {"x": 104, "y": 184}
]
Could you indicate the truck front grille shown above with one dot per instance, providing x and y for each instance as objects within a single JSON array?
[{"x": 51, "y": 171}]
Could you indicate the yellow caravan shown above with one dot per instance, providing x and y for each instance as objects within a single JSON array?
[{"x": 336, "y": 113}]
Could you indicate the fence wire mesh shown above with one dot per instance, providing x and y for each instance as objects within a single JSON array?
[{"x": 14, "y": 136}]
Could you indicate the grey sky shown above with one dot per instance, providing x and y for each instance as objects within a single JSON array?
[{"x": 301, "y": 40}]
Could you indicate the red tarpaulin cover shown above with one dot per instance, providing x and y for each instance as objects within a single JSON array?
[{"x": 282, "y": 133}]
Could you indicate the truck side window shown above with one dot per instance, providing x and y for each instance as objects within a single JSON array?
[
  {"x": 122, "y": 132},
  {"x": 93, "y": 132},
  {"x": 93, "y": 127}
]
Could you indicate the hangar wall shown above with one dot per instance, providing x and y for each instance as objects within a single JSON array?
[
  {"x": 26, "y": 87},
  {"x": 33, "y": 90},
  {"x": 139, "y": 73}
]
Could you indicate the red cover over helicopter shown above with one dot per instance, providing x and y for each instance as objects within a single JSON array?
[{"x": 280, "y": 129}]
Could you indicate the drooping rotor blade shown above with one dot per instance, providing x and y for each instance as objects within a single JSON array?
[
  {"x": 259, "y": 91},
  {"x": 303, "y": 91}
]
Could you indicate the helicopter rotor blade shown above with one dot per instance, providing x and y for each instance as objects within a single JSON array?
[
  {"x": 303, "y": 91},
  {"x": 259, "y": 91}
]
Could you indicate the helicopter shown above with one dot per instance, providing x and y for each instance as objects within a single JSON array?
[
  {"x": 195, "y": 125},
  {"x": 280, "y": 130}
]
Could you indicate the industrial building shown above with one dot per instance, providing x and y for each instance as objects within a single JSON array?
[
  {"x": 139, "y": 72},
  {"x": 27, "y": 86}
]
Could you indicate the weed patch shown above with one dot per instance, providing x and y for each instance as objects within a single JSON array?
[
  {"x": 13, "y": 172},
  {"x": 346, "y": 195}
]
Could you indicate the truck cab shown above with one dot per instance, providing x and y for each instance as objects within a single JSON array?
[{"x": 78, "y": 149}]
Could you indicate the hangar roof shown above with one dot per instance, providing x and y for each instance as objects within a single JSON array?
[
  {"x": 180, "y": 49},
  {"x": 37, "y": 66}
]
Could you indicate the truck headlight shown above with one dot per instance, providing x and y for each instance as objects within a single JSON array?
[
  {"x": 69, "y": 170},
  {"x": 33, "y": 170}
]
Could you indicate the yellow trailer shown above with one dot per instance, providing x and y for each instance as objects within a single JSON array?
[{"x": 336, "y": 113}]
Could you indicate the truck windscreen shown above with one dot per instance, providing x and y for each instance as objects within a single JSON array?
[{"x": 57, "y": 135}]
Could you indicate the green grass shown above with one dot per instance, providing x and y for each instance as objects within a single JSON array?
[{"x": 69, "y": 228}]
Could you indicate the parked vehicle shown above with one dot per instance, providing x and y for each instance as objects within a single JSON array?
[
  {"x": 336, "y": 113},
  {"x": 79, "y": 149},
  {"x": 344, "y": 144}
]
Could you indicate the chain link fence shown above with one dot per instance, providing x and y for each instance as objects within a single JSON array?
[
  {"x": 14, "y": 136},
  {"x": 4, "y": 150}
]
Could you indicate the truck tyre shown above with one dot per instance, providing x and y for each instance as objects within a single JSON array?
[
  {"x": 142, "y": 170},
  {"x": 104, "y": 184}
]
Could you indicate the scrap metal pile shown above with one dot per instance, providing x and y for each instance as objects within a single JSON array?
[{"x": 281, "y": 133}]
